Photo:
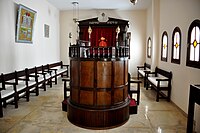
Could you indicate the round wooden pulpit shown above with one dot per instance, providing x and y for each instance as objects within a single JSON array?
[{"x": 98, "y": 92}]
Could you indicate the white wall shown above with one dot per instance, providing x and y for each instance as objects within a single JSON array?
[
  {"x": 137, "y": 27},
  {"x": 15, "y": 56},
  {"x": 179, "y": 13},
  {"x": 149, "y": 32}
]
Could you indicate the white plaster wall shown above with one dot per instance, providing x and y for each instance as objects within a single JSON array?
[
  {"x": 181, "y": 13},
  {"x": 15, "y": 56},
  {"x": 149, "y": 32},
  {"x": 137, "y": 27}
]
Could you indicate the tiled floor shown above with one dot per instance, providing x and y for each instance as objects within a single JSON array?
[{"x": 43, "y": 114}]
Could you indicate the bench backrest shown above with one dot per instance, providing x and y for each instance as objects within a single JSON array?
[
  {"x": 38, "y": 69},
  {"x": 21, "y": 73},
  {"x": 45, "y": 67},
  {"x": 147, "y": 66},
  {"x": 30, "y": 70},
  {"x": 55, "y": 64},
  {"x": 163, "y": 73},
  {"x": 8, "y": 76}
]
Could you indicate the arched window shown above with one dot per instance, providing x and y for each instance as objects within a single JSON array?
[
  {"x": 176, "y": 46},
  {"x": 193, "y": 47},
  {"x": 149, "y": 48},
  {"x": 164, "y": 47}
]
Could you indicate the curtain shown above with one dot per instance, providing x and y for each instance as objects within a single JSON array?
[{"x": 109, "y": 33}]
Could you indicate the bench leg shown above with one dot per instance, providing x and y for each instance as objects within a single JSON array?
[
  {"x": 168, "y": 95},
  {"x": 44, "y": 86},
  {"x": 1, "y": 110},
  {"x": 37, "y": 90},
  {"x": 131, "y": 95},
  {"x": 16, "y": 100},
  {"x": 56, "y": 80},
  {"x": 138, "y": 94},
  {"x": 157, "y": 95},
  {"x": 4, "y": 104},
  {"x": 50, "y": 82},
  {"x": 27, "y": 95},
  {"x": 147, "y": 85}
]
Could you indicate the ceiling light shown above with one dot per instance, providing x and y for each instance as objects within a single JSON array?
[
  {"x": 75, "y": 11},
  {"x": 133, "y": 1}
]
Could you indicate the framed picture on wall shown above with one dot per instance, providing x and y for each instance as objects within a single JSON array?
[
  {"x": 46, "y": 30},
  {"x": 25, "y": 24}
]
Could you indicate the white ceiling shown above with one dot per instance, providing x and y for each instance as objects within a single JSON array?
[{"x": 101, "y": 4}]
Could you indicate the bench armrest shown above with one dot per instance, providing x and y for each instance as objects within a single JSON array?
[
  {"x": 47, "y": 71},
  {"x": 40, "y": 73},
  {"x": 30, "y": 75},
  {"x": 20, "y": 78},
  {"x": 149, "y": 73},
  {"x": 12, "y": 83},
  {"x": 66, "y": 65},
  {"x": 139, "y": 67},
  {"x": 164, "y": 79},
  {"x": 53, "y": 69},
  {"x": 66, "y": 79},
  {"x": 135, "y": 81}
]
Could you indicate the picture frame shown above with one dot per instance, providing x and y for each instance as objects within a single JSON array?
[
  {"x": 46, "y": 30},
  {"x": 25, "y": 24}
]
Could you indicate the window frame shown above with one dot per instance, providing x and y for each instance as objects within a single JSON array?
[
  {"x": 164, "y": 58},
  {"x": 149, "y": 54},
  {"x": 189, "y": 63},
  {"x": 177, "y": 61}
]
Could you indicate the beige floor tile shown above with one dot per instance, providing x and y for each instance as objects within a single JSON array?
[{"x": 43, "y": 114}]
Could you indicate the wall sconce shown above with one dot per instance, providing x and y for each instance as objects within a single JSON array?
[
  {"x": 133, "y": 1},
  {"x": 75, "y": 11}
]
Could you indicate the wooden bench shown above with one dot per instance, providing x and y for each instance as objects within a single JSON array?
[
  {"x": 20, "y": 84},
  {"x": 41, "y": 80},
  {"x": 160, "y": 80},
  {"x": 58, "y": 69},
  {"x": 36, "y": 79},
  {"x": 133, "y": 90},
  {"x": 7, "y": 95},
  {"x": 142, "y": 70},
  {"x": 66, "y": 96},
  {"x": 47, "y": 75}
]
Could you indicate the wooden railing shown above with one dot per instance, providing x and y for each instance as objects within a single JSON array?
[{"x": 76, "y": 51}]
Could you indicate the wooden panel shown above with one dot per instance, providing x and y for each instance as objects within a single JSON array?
[
  {"x": 118, "y": 95},
  {"x": 74, "y": 73},
  {"x": 98, "y": 118},
  {"x": 74, "y": 94},
  {"x": 104, "y": 74},
  {"x": 87, "y": 74},
  {"x": 86, "y": 97},
  {"x": 103, "y": 98},
  {"x": 126, "y": 71},
  {"x": 125, "y": 92},
  {"x": 119, "y": 73}
]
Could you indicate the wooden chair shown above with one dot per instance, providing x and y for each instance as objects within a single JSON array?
[
  {"x": 142, "y": 72},
  {"x": 66, "y": 89},
  {"x": 7, "y": 95},
  {"x": 134, "y": 90},
  {"x": 41, "y": 78}
]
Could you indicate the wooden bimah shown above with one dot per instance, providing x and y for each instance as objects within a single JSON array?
[{"x": 99, "y": 75}]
